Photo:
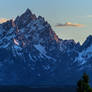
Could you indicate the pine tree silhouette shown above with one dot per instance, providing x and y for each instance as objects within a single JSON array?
[{"x": 83, "y": 84}]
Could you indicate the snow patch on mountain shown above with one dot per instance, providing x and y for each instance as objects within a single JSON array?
[
  {"x": 84, "y": 55},
  {"x": 40, "y": 48}
]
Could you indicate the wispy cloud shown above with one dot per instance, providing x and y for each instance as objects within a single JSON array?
[
  {"x": 2, "y": 20},
  {"x": 86, "y": 16},
  {"x": 89, "y": 16},
  {"x": 68, "y": 24}
]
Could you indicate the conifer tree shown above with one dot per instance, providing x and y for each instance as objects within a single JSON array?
[{"x": 83, "y": 84}]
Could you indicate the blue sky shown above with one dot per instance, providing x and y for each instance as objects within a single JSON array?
[{"x": 55, "y": 12}]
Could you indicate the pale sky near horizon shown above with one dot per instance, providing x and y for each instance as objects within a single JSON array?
[{"x": 55, "y": 12}]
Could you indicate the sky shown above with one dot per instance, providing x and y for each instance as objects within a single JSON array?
[{"x": 70, "y": 19}]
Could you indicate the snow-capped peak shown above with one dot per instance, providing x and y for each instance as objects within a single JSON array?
[
  {"x": 28, "y": 30},
  {"x": 31, "y": 50},
  {"x": 85, "y": 54}
]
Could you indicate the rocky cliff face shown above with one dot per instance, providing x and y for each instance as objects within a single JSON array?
[{"x": 32, "y": 53}]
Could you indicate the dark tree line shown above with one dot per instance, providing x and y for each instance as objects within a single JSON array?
[{"x": 83, "y": 84}]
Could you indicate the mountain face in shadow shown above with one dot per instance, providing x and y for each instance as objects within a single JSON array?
[{"x": 32, "y": 54}]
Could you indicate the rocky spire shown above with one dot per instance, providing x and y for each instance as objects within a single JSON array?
[
  {"x": 88, "y": 42},
  {"x": 28, "y": 12},
  {"x": 24, "y": 19}
]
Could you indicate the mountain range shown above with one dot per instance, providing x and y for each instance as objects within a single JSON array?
[{"x": 32, "y": 54}]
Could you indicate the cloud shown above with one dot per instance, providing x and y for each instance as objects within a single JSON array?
[
  {"x": 89, "y": 16},
  {"x": 2, "y": 20},
  {"x": 68, "y": 24},
  {"x": 86, "y": 16}
]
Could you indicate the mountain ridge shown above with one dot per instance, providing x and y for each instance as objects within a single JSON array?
[{"x": 31, "y": 52}]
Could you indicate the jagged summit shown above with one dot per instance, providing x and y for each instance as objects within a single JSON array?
[
  {"x": 35, "y": 24},
  {"x": 24, "y": 19},
  {"x": 28, "y": 29},
  {"x": 87, "y": 42},
  {"x": 28, "y": 11},
  {"x": 31, "y": 52}
]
